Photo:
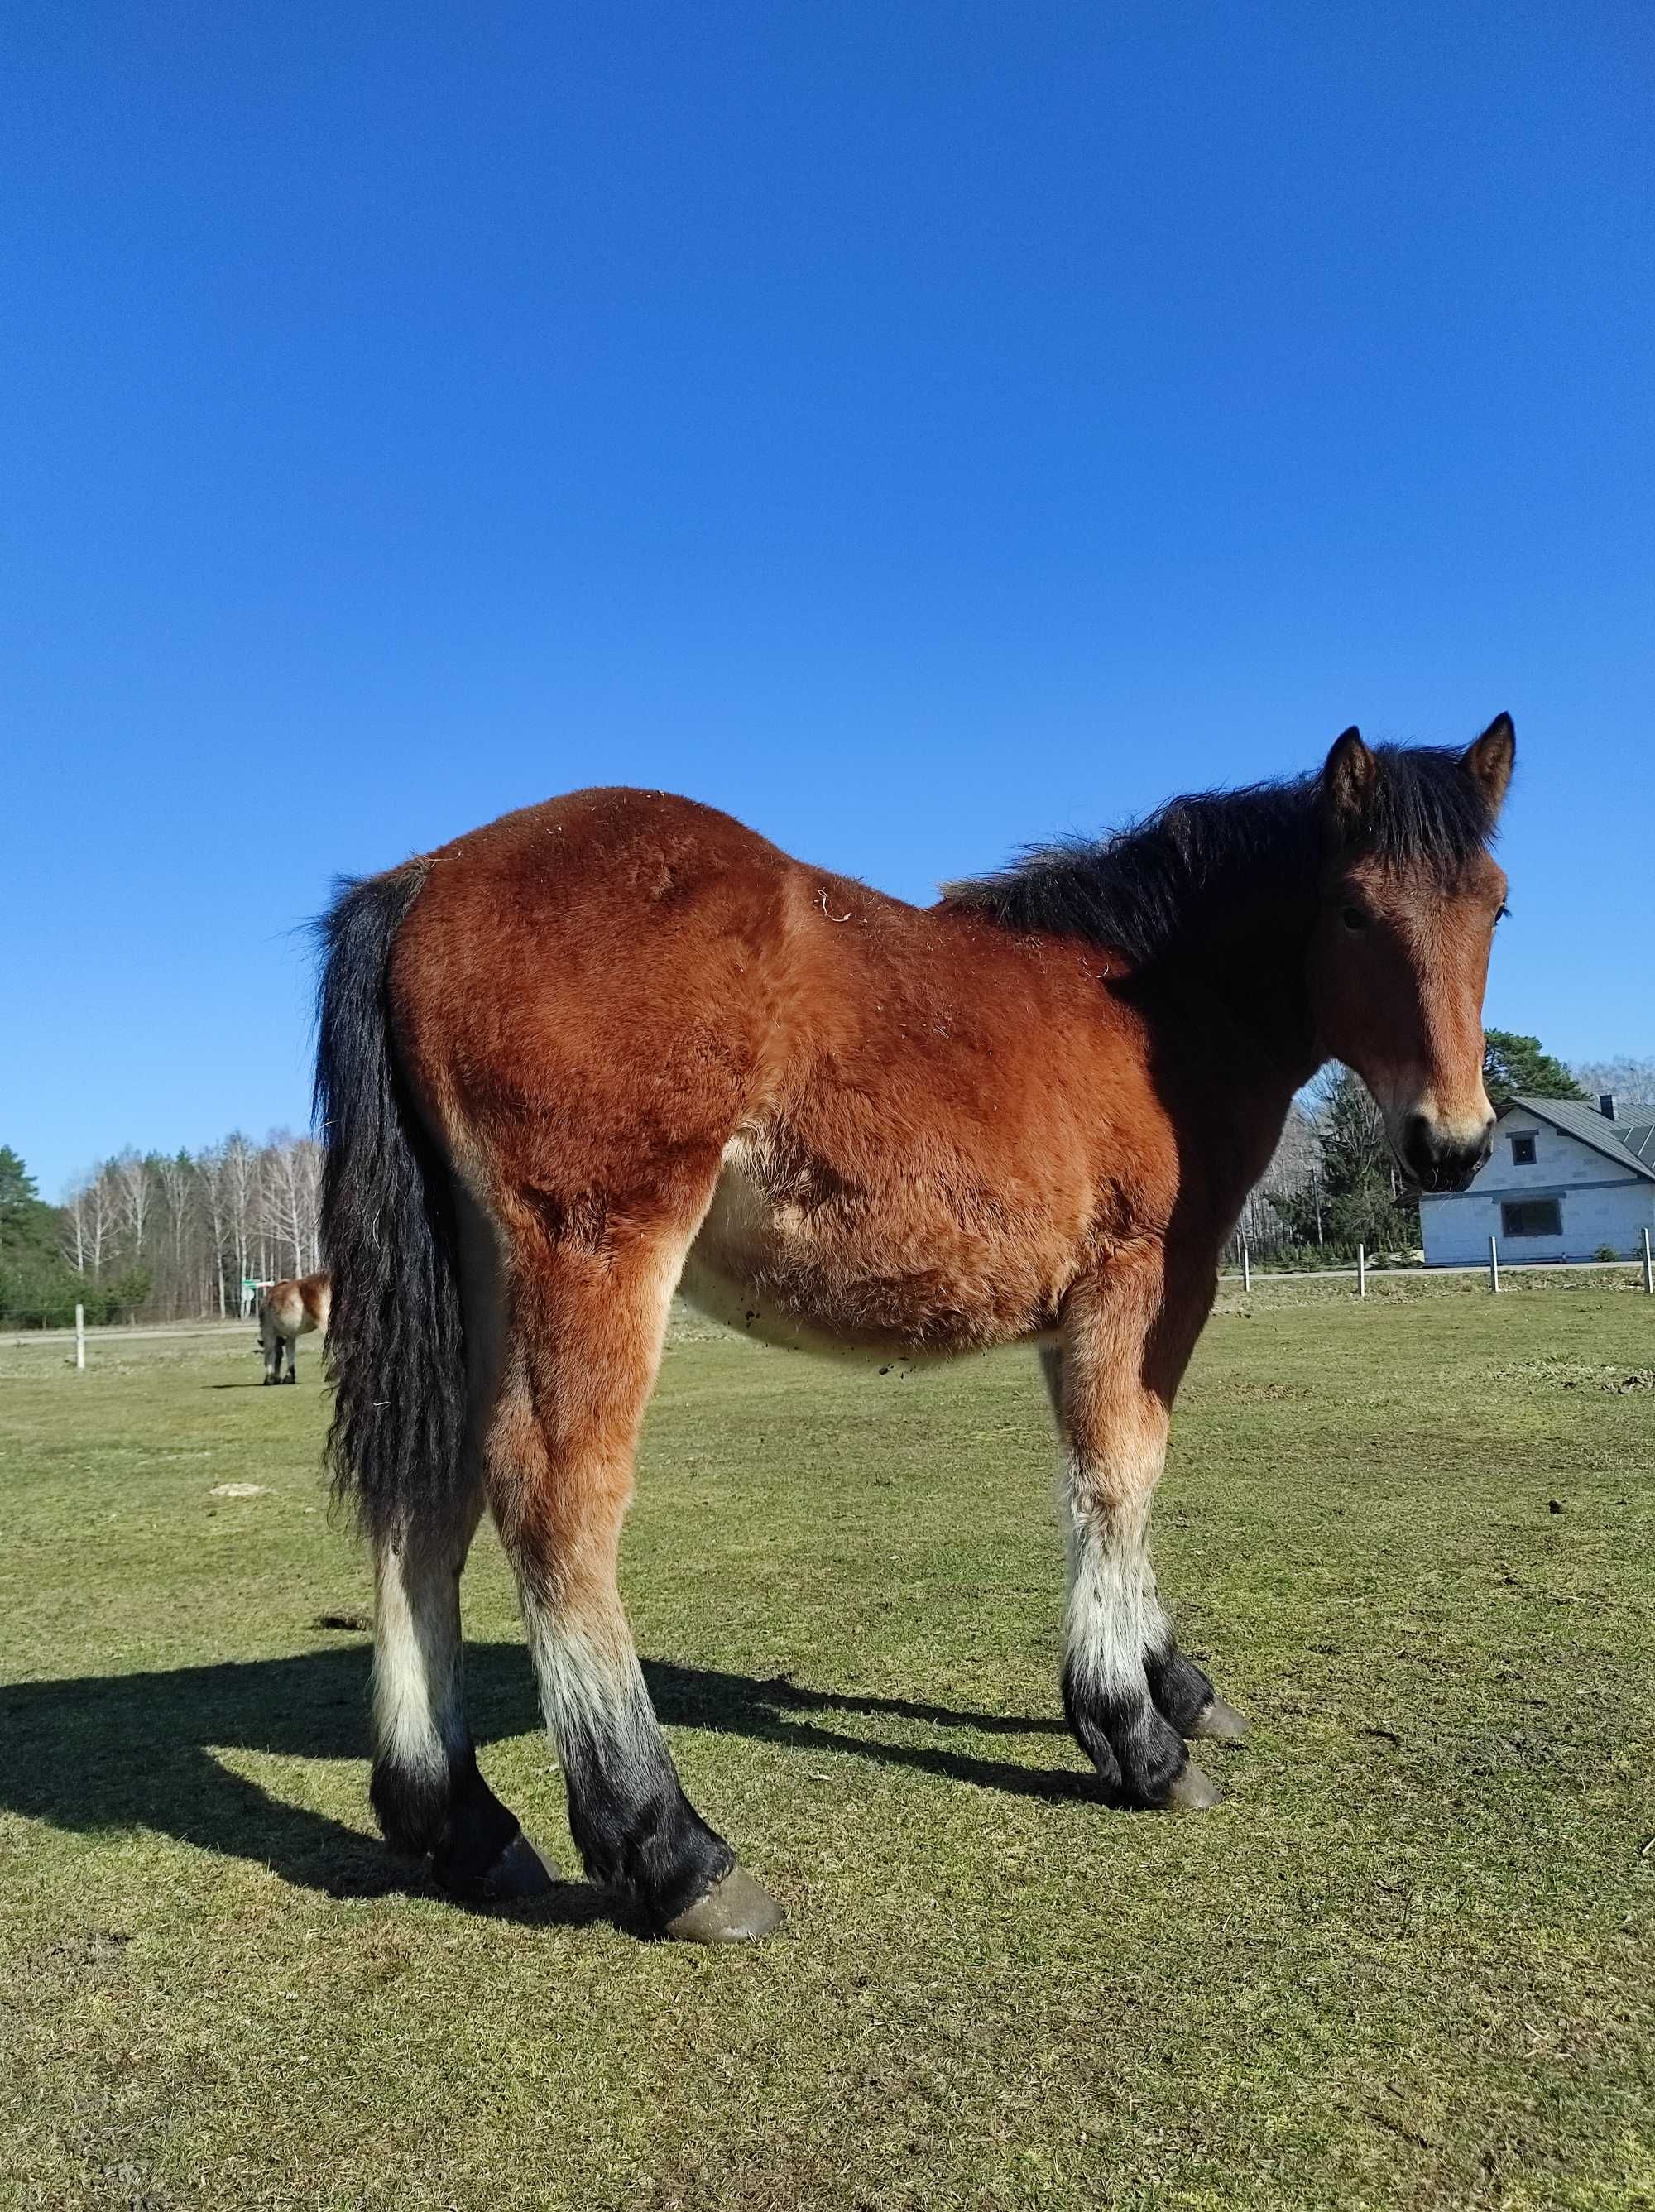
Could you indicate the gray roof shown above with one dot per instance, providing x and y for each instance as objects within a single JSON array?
[{"x": 1629, "y": 1144}]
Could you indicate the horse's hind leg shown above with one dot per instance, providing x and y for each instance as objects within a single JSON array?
[
  {"x": 589, "y": 1316},
  {"x": 426, "y": 1791}
]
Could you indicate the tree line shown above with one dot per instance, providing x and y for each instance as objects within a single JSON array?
[
  {"x": 160, "y": 1236},
  {"x": 172, "y": 1237}
]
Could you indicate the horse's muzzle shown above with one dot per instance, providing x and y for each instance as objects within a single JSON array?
[{"x": 1438, "y": 1162}]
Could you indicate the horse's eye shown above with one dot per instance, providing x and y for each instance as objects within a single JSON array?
[
  {"x": 1354, "y": 918},
  {"x": 1501, "y": 915}
]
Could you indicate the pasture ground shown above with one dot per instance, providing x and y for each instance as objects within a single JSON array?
[{"x": 1410, "y": 1963}]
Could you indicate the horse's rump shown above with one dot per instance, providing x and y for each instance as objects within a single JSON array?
[{"x": 296, "y": 1307}]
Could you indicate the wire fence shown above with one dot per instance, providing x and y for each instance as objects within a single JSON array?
[{"x": 1247, "y": 1266}]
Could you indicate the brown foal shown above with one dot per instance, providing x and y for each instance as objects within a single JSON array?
[
  {"x": 287, "y": 1312},
  {"x": 619, "y": 1045}
]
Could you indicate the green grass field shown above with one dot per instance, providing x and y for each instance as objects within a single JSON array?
[{"x": 1408, "y": 1963}]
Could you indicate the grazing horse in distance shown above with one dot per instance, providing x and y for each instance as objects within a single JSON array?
[
  {"x": 289, "y": 1310},
  {"x": 617, "y": 1044}
]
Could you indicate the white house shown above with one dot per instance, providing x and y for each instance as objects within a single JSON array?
[{"x": 1565, "y": 1180}]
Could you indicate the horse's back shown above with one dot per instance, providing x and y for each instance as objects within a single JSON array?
[{"x": 634, "y": 941}]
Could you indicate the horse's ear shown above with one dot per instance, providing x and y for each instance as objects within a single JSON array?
[
  {"x": 1488, "y": 761},
  {"x": 1349, "y": 781}
]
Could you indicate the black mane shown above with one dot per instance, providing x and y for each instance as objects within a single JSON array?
[{"x": 1145, "y": 889}]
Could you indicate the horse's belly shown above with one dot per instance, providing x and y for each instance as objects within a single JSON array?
[
  {"x": 749, "y": 1302},
  {"x": 791, "y": 1260}
]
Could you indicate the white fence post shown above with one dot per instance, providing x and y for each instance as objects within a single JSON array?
[
  {"x": 1649, "y": 1271},
  {"x": 1494, "y": 1266},
  {"x": 1361, "y": 1271},
  {"x": 1247, "y": 1265},
  {"x": 80, "y": 1338}
]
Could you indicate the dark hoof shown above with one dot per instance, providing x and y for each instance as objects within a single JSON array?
[
  {"x": 1191, "y": 1792},
  {"x": 737, "y": 1909},
  {"x": 519, "y": 1872},
  {"x": 1219, "y": 1723},
  {"x": 290, "y": 1378},
  {"x": 269, "y": 1379}
]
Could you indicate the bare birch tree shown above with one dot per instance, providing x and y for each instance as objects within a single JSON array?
[
  {"x": 176, "y": 1174},
  {"x": 75, "y": 1241},
  {"x": 215, "y": 1193},
  {"x": 134, "y": 1190},
  {"x": 290, "y": 1182},
  {"x": 307, "y": 1168},
  {"x": 238, "y": 1165},
  {"x": 91, "y": 1212}
]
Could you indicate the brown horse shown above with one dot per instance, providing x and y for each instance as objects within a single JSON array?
[
  {"x": 618, "y": 1043},
  {"x": 289, "y": 1310}
]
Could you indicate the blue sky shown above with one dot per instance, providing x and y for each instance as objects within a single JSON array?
[{"x": 917, "y": 430}]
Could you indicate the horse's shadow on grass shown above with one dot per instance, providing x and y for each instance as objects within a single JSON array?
[{"x": 101, "y": 1753}]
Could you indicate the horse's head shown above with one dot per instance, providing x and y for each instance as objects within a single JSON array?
[{"x": 1410, "y": 895}]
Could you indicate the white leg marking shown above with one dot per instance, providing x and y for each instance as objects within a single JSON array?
[
  {"x": 1113, "y": 1614},
  {"x": 418, "y": 1724},
  {"x": 597, "y": 1707}
]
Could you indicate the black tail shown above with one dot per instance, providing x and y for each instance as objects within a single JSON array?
[{"x": 395, "y": 1348}]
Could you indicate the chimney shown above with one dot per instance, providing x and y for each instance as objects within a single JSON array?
[{"x": 1606, "y": 1104}]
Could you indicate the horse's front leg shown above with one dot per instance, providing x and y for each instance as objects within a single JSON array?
[{"x": 1130, "y": 1696}]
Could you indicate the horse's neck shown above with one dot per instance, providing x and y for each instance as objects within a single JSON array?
[{"x": 1234, "y": 1018}]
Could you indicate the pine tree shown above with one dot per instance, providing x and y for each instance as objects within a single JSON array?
[
  {"x": 38, "y": 1287},
  {"x": 17, "y": 1187},
  {"x": 1515, "y": 1066},
  {"x": 1357, "y": 1196}
]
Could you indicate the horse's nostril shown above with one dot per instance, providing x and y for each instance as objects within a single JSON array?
[{"x": 1418, "y": 1150}]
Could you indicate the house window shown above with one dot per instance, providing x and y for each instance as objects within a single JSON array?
[
  {"x": 1531, "y": 1217},
  {"x": 1523, "y": 1152}
]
